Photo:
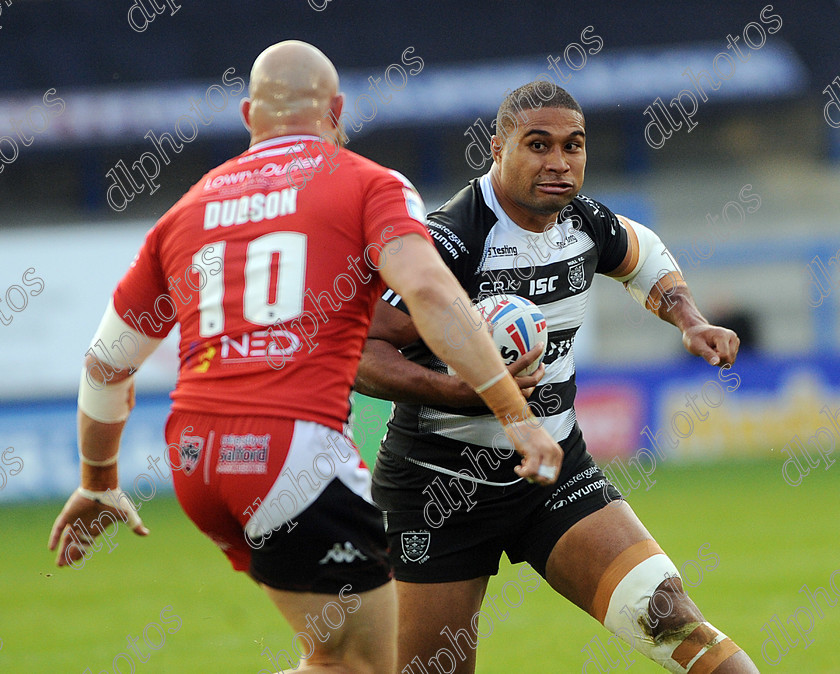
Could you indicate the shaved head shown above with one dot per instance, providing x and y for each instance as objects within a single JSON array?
[{"x": 293, "y": 89}]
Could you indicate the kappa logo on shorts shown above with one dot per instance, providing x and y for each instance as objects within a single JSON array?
[
  {"x": 342, "y": 553},
  {"x": 415, "y": 545},
  {"x": 243, "y": 454},
  {"x": 190, "y": 450}
]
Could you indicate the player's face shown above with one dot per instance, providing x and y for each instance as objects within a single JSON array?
[{"x": 541, "y": 163}]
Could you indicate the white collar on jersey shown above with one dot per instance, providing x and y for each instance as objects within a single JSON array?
[
  {"x": 278, "y": 145},
  {"x": 490, "y": 199}
]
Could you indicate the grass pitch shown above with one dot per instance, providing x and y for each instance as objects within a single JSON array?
[{"x": 769, "y": 539}]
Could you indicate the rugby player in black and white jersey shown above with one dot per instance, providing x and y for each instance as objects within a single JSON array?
[{"x": 445, "y": 472}]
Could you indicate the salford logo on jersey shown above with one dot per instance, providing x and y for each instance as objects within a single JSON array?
[
  {"x": 342, "y": 554},
  {"x": 415, "y": 545},
  {"x": 190, "y": 451},
  {"x": 243, "y": 454},
  {"x": 577, "y": 278}
]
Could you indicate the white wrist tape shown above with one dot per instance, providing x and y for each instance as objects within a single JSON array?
[
  {"x": 654, "y": 262},
  {"x": 98, "y": 464},
  {"x": 109, "y": 403},
  {"x": 493, "y": 380},
  {"x": 114, "y": 498}
]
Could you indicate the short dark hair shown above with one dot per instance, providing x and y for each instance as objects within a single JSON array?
[{"x": 536, "y": 95}]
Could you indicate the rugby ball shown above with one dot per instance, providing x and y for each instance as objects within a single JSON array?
[{"x": 517, "y": 325}]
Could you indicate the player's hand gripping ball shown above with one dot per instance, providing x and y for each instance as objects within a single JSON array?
[{"x": 517, "y": 325}]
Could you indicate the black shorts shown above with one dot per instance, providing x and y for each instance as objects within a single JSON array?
[
  {"x": 441, "y": 528},
  {"x": 337, "y": 541}
]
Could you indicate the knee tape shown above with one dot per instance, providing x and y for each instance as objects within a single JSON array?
[{"x": 627, "y": 603}]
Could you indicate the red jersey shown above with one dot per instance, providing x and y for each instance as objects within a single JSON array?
[{"x": 269, "y": 265}]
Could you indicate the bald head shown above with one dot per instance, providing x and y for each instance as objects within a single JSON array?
[{"x": 293, "y": 87}]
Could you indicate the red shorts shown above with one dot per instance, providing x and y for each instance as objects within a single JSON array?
[{"x": 289, "y": 501}]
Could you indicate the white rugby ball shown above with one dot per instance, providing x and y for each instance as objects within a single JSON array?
[{"x": 517, "y": 325}]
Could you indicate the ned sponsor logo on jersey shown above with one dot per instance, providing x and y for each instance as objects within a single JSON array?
[
  {"x": 255, "y": 346},
  {"x": 243, "y": 454}
]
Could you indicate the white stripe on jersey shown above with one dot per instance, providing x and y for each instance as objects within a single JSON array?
[
  {"x": 485, "y": 430},
  {"x": 391, "y": 297},
  {"x": 566, "y": 313}
]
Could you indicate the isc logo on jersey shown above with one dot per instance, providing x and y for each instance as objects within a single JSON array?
[
  {"x": 250, "y": 208},
  {"x": 540, "y": 286}
]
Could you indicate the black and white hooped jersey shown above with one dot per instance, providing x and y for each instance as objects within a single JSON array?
[{"x": 490, "y": 254}]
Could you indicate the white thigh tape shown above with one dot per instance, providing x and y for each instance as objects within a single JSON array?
[{"x": 635, "y": 610}]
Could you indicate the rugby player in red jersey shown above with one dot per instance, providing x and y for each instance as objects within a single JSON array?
[
  {"x": 524, "y": 228},
  {"x": 272, "y": 264}
]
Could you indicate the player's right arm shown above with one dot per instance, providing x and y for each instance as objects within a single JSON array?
[
  {"x": 385, "y": 373},
  {"x": 436, "y": 299},
  {"x": 106, "y": 398}
]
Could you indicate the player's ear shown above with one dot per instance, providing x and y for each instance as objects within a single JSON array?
[
  {"x": 335, "y": 129},
  {"x": 245, "y": 112},
  {"x": 336, "y": 108},
  {"x": 496, "y": 145},
  {"x": 333, "y": 116}
]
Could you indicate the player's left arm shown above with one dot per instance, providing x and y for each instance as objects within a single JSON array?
[{"x": 654, "y": 279}]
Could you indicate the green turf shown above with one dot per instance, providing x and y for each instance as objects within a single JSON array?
[{"x": 770, "y": 539}]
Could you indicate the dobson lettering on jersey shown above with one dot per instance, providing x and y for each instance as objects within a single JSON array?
[{"x": 250, "y": 208}]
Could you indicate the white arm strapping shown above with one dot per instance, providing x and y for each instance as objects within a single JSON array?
[
  {"x": 109, "y": 403},
  {"x": 655, "y": 261}
]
